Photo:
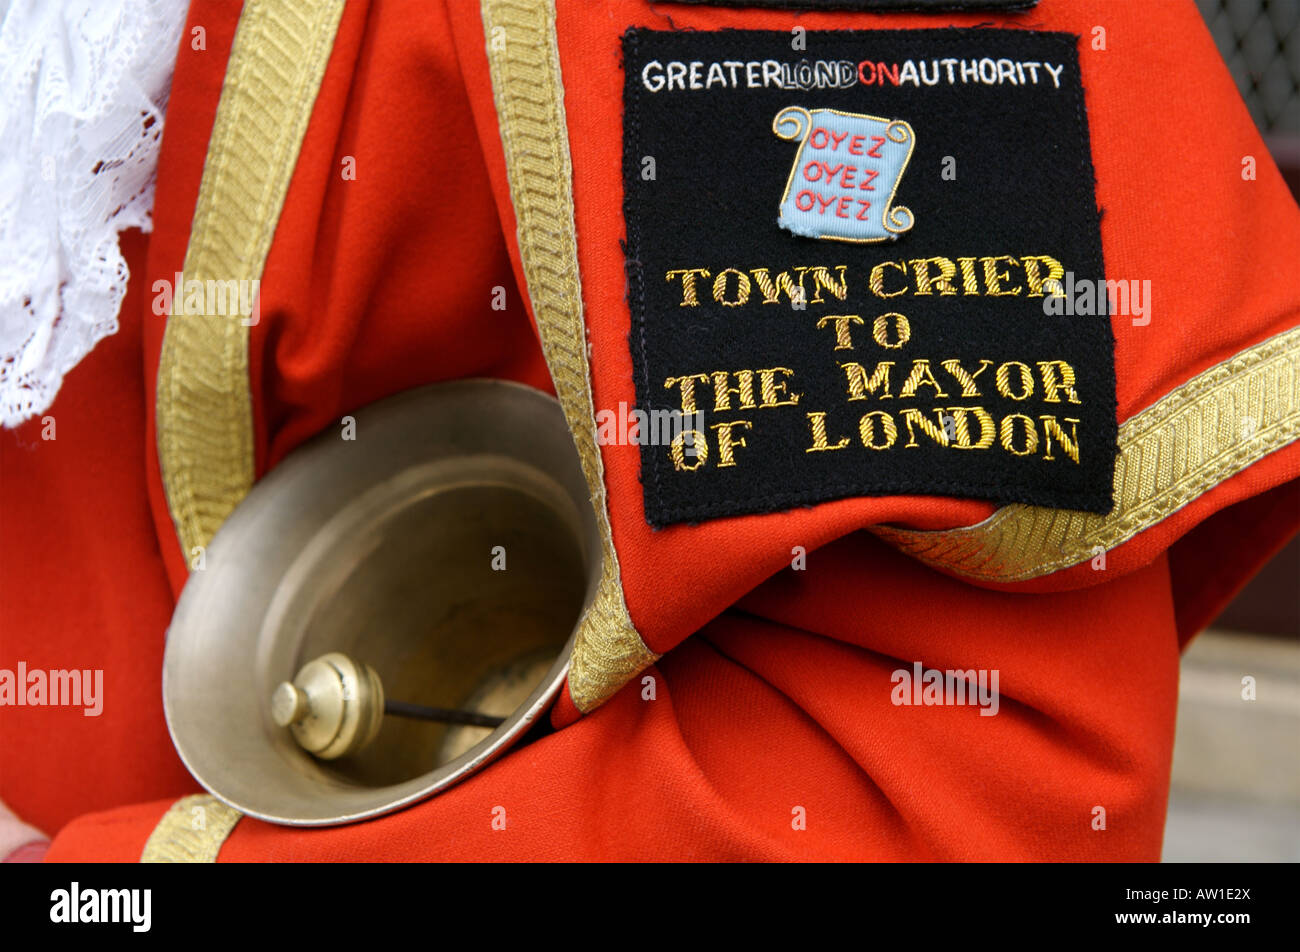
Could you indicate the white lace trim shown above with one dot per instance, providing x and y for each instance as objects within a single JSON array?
[{"x": 83, "y": 87}]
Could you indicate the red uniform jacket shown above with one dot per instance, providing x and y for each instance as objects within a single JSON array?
[{"x": 773, "y": 689}]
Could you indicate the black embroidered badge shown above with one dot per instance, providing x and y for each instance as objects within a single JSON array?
[{"x": 870, "y": 267}]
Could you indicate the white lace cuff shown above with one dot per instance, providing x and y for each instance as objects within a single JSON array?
[{"x": 84, "y": 84}]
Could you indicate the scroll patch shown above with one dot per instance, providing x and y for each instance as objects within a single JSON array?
[
  {"x": 844, "y": 175},
  {"x": 868, "y": 267}
]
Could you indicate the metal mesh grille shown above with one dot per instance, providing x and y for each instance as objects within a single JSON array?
[{"x": 1260, "y": 41}]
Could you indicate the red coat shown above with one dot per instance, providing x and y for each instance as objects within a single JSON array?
[{"x": 776, "y": 692}]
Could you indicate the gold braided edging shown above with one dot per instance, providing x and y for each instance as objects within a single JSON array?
[
  {"x": 524, "y": 59},
  {"x": 191, "y": 831},
  {"x": 204, "y": 409},
  {"x": 1199, "y": 434}
]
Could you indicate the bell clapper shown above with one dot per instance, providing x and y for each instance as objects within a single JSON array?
[
  {"x": 336, "y": 704},
  {"x": 445, "y": 715}
]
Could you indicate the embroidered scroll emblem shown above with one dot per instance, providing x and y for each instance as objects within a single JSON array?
[{"x": 845, "y": 174}]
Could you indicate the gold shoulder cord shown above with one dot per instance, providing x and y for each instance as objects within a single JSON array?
[
  {"x": 525, "y": 65},
  {"x": 204, "y": 409},
  {"x": 204, "y": 412},
  {"x": 1187, "y": 442},
  {"x": 191, "y": 831}
]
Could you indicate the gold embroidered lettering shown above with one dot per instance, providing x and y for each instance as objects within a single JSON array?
[
  {"x": 687, "y": 383},
  {"x": 968, "y": 283},
  {"x": 877, "y": 280},
  {"x": 920, "y": 375},
  {"x": 722, "y": 391},
  {"x": 1007, "y": 432},
  {"x": 880, "y": 330},
  {"x": 727, "y": 442},
  {"x": 1034, "y": 275},
  {"x": 770, "y": 389},
  {"x": 843, "y": 340},
  {"x": 822, "y": 280},
  {"x": 993, "y": 278},
  {"x": 925, "y": 280},
  {"x": 817, "y": 422},
  {"x": 683, "y": 461},
  {"x": 935, "y": 432},
  {"x": 1003, "y": 377},
  {"x": 860, "y": 384},
  {"x": 689, "y": 297},
  {"x": 1057, "y": 376},
  {"x": 966, "y": 379},
  {"x": 1069, "y": 444},
  {"x": 866, "y": 430},
  {"x": 720, "y": 288},
  {"x": 961, "y": 429},
  {"x": 771, "y": 290}
]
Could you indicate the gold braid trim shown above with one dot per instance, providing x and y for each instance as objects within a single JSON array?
[
  {"x": 191, "y": 831},
  {"x": 525, "y": 66},
  {"x": 204, "y": 409},
  {"x": 1196, "y": 436}
]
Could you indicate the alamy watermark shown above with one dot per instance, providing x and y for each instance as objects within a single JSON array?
[
  {"x": 77, "y": 905},
  {"x": 637, "y": 427},
  {"x": 55, "y": 688},
  {"x": 1088, "y": 297},
  {"x": 239, "y": 298},
  {"x": 923, "y": 686}
]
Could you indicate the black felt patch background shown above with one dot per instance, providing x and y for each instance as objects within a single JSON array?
[{"x": 1024, "y": 186}]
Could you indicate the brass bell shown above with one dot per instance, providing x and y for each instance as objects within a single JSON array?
[{"x": 440, "y": 561}]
